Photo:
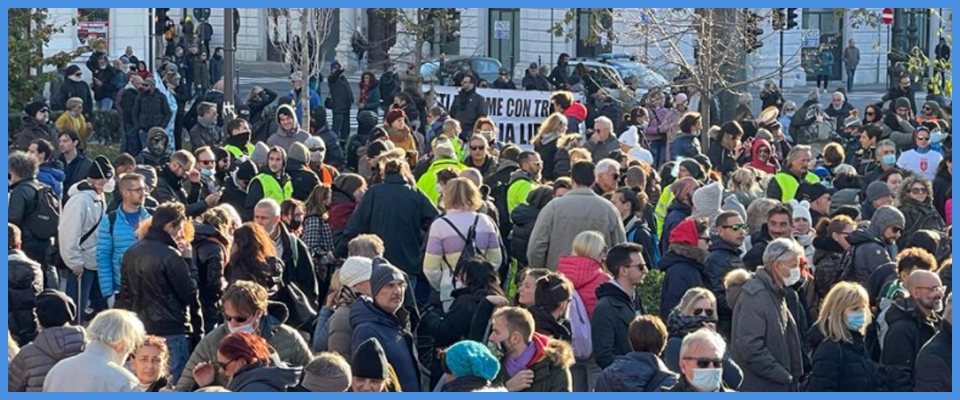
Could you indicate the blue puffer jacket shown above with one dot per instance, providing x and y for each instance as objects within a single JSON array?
[
  {"x": 685, "y": 145},
  {"x": 52, "y": 175},
  {"x": 393, "y": 332},
  {"x": 110, "y": 249}
]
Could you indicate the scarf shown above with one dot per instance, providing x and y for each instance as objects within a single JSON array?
[{"x": 515, "y": 365}]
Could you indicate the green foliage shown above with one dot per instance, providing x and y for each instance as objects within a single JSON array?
[
  {"x": 28, "y": 32},
  {"x": 649, "y": 292}
]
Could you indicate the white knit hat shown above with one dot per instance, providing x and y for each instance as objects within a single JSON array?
[
  {"x": 706, "y": 202},
  {"x": 801, "y": 210},
  {"x": 355, "y": 270},
  {"x": 629, "y": 137}
]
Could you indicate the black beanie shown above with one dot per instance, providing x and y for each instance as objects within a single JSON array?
[
  {"x": 378, "y": 147},
  {"x": 246, "y": 171},
  {"x": 54, "y": 308},
  {"x": 370, "y": 361},
  {"x": 101, "y": 169},
  {"x": 34, "y": 107},
  {"x": 694, "y": 168}
]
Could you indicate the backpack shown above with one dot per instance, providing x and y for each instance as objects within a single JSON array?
[
  {"x": 846, "y": 270},
  {"x": 470, "y": 249},
  {"x": 582, "y": 338},
  {"x": 44, "y": 221},
  {"x": 499, "y": 194}
]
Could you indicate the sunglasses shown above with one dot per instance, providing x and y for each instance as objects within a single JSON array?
[
  {"x": 704, "y": 362},
  {"x": 616, "y": 177},
  {"x": 871, "y": 113},
  {"x": 923, "y": 139},
  {"x": 918, "y": 190},
  {"x": 737, "y": 227},
  {"x": 45, "y": 110},
  {"x": 927, "y": 109},
  {"x": 789, "y": 110},
  {"x": 239, "y": 320},
  {"x": 77, "y": 75},
  {"x": 206, "y": 162},
  {"x": 897, "y": 229},
  {"x": 703, "y": 311},
  {"x": 477, "y": 148}
]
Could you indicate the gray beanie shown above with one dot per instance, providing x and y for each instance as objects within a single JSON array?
[
  {"x": 884, "y": 218},
  {"x": 299, "y": 152},
  {"x": 260, "y": 153},
  {"x": 381, "y": 274},
  {"x": 706, "y": 202},
  {"x": 877, "y": 190}
]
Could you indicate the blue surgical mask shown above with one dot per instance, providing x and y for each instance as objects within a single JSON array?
[
  {"x": 855, "y": 320},
  {"x": 889, "y": 159},
  {"x": 207, "y": 171},
  {"x": 707, "y": 379},
  {"x": 937, "y": 137}
]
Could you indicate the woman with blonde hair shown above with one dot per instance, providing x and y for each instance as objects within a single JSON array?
[
  {"x": 697, "y": 309},
  {"x": 545, "y": 143},
  {"x": 448, "y": 234},
  {"x": 840, "y": 361},
  {"x": 73, "y": 119},
  {"x": 584, "y": 268},
  {"x": 745, "y": 184},
  {"x": 149, "y": 364}
]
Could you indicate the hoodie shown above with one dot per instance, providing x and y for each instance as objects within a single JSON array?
[
  {"x": 755, "y": 162},
  {"x": 256, "y": 378},
  {"x": 909, "y": 329},
  {"x": 86, "y": 207},
  {"x": 683, "y": 269},
  {"x": 283, "y": 137},
  {"x": 51, "y": 174},
  {"x": 576, "y": 114}
]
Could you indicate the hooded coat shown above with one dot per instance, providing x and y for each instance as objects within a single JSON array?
[
  {"x": 550, "y": 364},
  {"x": 919, "y": 216},
  {"x": 636, "y": 371},
  {"x": 24, "y": 284},
  {"x": 256, "y": 378},
  {"x": 721, "y": 259},
  {"x": 86, "y": 208},
  {"x": 869, "y": 253},
  {"x": 31, "y": 129},
  {"x": 609, "y": 326},
  {"x": 765, "y": 340},
  {"x": 51, "y": 174},
  {"x": 393, "y": 332},
  {"x": 524, "y": 217},
  {"x": 587, "y": 275},
  {"x": 683, "y": 269},
  {"x": 768, "y": 167},
  {"x": 210, "y": 255},
  {"x": 285, "y": 138},
  {"x": 679, "y": 326},
  {"x": 29, "y": 368},
  {"x": 908, "y": 330}
]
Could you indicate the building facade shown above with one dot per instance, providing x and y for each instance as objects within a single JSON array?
[{"x": 519, "y": 36}]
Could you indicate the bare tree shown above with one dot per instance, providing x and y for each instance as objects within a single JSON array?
[
  {"x": 708, "y": 47},
  {"x": 301, "y": 52}
]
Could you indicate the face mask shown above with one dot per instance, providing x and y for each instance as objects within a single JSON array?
[
  {"x": 295, "y": 224},
  {"x": 74, "y": 113},
  {"x": 109, "y": 186},
  {"x": 74, "y": 78},
  {"x": 707, "y": 379},
  {"x": 805, "y": 239},
  {"x": 889, "y": 159},
  {"x": 937, "y": 137},
  {"x": 207, "y": 171},
  {"x": 644, "y": 125},
  {"x": 793, "y": 278},
  {"x": 855, "y": 321},
  {"x": 790, "y": 113},
  {"x": 242, "y": 328}
]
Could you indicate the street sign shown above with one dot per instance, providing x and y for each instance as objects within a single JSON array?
[
  {"x": 810, "y": 38},
  {"x": 887, "y": 16},
  {"x": 202, "y": 14},
  {"x": 501, "y": 30}
]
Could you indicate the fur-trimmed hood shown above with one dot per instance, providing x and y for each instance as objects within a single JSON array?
[
  {"x": 558, "y": 352},
  {"x": 686, "y": 251}
]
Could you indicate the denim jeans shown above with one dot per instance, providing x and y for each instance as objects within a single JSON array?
[
  {"x": 850, "y": 74},
  {"x": 179, "y": 346},
  {"x": 341, "y": 125},
  {"x": 105, "y": 104},
  {"x": 658, "y": 149},
  {"x": 89, "y": 292}
]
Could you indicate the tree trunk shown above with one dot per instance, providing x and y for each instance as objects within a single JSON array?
[{"x": 305, "y": 68}]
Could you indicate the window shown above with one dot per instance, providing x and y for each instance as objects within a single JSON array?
[{"x": 594, "y": 27}]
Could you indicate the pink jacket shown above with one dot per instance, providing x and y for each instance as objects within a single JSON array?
[{"x": 586, "y": 274}]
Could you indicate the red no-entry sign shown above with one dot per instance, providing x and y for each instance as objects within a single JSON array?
[{"x": 887, "y": 16}]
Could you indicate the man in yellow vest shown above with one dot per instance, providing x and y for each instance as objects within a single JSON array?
[
  {"x": 444, "y": 157},
  {"x": 238, "y": 143},
  {"x": 272, "y": 182},
  {"x": 783, "y": 187}
]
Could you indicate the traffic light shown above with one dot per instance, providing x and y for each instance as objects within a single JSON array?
[
  {"x": 791, "y": 18},
  {"x": 778, "y": 19},
  {"x": 753, "y": 33}
]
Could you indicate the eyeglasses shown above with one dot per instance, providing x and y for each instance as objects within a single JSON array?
[
  {"x": 477, "y": 148},
  {"x": 789, "y": 109},
  {"x": 615, "y": 177},
  {"x": 206, "y": 162},
  {"x": 704, "y": 362},
  {"x": 870, "y": 113},
  {"x": 918, "y": 190},
  {"x": 897, "y": 229},
  {"x": 736, "y": 227},
  {"x": 136, "y": 190},
  {"x": 927, "y": 109},
  {"x": 935, "y": 289},
  {"x": 223, "y": 366},
  {"x": 703, "y": 311}
]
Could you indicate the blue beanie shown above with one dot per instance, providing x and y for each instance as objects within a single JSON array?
[{"x": 470, "y": 358}]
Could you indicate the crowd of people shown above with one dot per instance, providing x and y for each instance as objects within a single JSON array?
[{"x": 424, "y": 254}]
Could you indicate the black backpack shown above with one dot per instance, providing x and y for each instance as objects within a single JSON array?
[
  {"x": 499, "y": 194},
  {"x": 470, "y": 249},
  {"x": 43, "y": 222}
]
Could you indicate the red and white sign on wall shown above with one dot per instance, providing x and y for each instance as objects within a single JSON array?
[{"x": 887, "y": 16}]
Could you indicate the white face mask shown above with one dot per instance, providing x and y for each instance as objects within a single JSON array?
[
  {"x": 644, "y": 124},
  {"x": 793, "y": 278},
  {"x": 109, "y": 186},
  {"x": 790, "y": 113},
  {"x": 707, "y": 379},
  {"x": 248, "y": 327}
]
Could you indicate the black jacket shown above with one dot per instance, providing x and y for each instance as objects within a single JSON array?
[
  {"x": 210, "y": 255},
  {"x": 548, "y": 154},
  {"x": 127, "y": 102},
  {"x": 235, "y": 197},
  {"x": 170, "y": 188},
  {"x": 918, "y": 216},
  {"x": 398, "y": 213},
  {"x": 908, "y": 331},
  {"x": 488, "y": 167},
  {"x": 934, "y": 366},
  {"x": 676, "y": 213},
  {"x": 547, "y": 325},
  {"x": 31, "y": 129},
  {"x": 70, "y": 89},
  {"x": 523, "y": 218},
  {"x": 721, "y": 158},
  {"x": 942, "y": 191},
  {"x": 721, "y": 259},
  {"x": 151, "y": 110},
  {"x": 24, "y": 284},
  {"x": 467, "y": 107},
  {"x": 22, "y": 197},
  {"x": 74, "y": 171},
  {"x": 754, "y": 257},
  {"x": 636, "y": 372},
  {"x": 334, "y": 155},
  {"x": 683, "y": 269},
  {"x": 298, "y": 265},
  {"x": 341, "y": 96},
  {"x": 465, "y": 320},
  {"x": 257, "y": 105},
  {"x": 158, "y": 284},
  {"x": 839, "y": 366},
  {"x": 609, "y": 326},
  {"x": 303, "y": 179},
  {"x": 538, "y": 82}
]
